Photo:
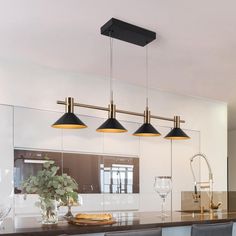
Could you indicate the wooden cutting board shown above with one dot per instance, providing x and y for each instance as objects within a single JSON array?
[{"x": 75, "y": 221}]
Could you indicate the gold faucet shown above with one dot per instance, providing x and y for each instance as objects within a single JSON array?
[
  {"x": 196, "y": 195},
  {"x": 215, "y": 206},
  {"x": 204, "y": 185}
]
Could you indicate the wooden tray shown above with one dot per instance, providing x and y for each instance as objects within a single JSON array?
[{"x": 75, "y": 221}]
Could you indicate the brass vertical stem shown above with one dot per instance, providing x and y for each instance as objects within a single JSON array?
[
  {"x": 147, "y": 116},
  {"x": 176, "y": 121},
  {"x": 112, "y": 110},
  {"x": 70, "y": 105}
]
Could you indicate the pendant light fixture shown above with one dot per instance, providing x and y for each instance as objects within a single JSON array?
[
  {"x": 69, "y": 120},
  {"x": 147, "y": 128},
  {"x": 111, "y": 125},
  {"x": 135, "y": 35},
  {"x": 177, "y": 133}
]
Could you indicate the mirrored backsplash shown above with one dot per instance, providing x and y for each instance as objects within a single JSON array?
[{"x": 93, "y": 173}]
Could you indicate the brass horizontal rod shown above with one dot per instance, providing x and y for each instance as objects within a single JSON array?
[
  {"x": 61, "y": 102},
  {"x": 85, "y": 106},
  {"x": 130, "y": 113},
  {"x": 165, "y": 118},
  {"x": 118, "y": 111},
  {"x": 142, "y": 114},
  {"x": 91, "y": 107}
]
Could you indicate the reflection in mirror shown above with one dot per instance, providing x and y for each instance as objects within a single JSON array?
[
  {"x": 93, "y": 173},
  {"x": 120, "y": 175}
]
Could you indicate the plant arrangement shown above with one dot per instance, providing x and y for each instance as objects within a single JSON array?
[{"x": 53, "y": 190}]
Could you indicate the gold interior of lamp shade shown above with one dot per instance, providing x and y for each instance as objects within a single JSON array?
[
  {"x": 69, "y": 126},
  {"x": 111, "y": 130},
  {"x": 147, "y": 134},
  {"x": 177, "y": 138}
]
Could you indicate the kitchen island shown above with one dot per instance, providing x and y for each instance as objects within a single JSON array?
[{"x": 176, "y": 224}]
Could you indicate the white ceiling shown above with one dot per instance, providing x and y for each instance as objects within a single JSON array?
[{"x": 194, "y": 54}]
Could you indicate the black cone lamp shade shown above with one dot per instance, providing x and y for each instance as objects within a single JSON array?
[
  {"x": 147, "y": 129},
  {"x": 111, "y": 125},
  {"x": 177, "y": 133},
  {"x": 69, "y": 120}
]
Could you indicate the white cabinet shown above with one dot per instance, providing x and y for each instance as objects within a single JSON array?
[
  {"x": 32, "y": 129},
  {"x": 6, "y": 154}
]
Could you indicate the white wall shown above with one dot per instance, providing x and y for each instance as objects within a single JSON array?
[
  {"x": 37, "y": 87},
  {"x": 232, "y": 159}
]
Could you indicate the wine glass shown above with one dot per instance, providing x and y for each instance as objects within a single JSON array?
[{"x": 163, "y": 185}]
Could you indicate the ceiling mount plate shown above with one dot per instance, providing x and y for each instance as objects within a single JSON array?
[{"x": 127, "y": 32}]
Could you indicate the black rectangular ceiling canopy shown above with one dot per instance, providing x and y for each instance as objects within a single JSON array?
[{"x": 127, "y": 32}]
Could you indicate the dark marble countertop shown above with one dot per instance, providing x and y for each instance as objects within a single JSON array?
[{"x": 23, "y": 225}]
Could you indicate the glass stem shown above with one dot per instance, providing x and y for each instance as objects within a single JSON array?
[
  {"x": 163, "y": 206},
  {"x": 69, "y": 209}
]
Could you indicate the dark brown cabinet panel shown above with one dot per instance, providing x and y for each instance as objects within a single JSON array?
[{"x": 93, "y": 173}]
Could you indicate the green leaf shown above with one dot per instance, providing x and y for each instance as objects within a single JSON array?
[{"x": 49, "y": 185}]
